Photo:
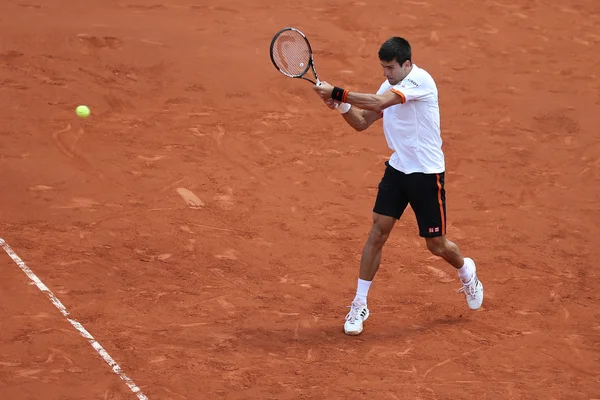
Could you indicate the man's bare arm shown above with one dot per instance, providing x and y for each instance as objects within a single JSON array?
[
  {"x": 361, "y": 119},
  {"x": 374, "y": 102}
]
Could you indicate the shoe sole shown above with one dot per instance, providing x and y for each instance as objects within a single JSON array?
[{"x": 353, "y": 333}]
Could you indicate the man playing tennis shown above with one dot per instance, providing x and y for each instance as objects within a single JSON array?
[{"x": 408, "y": 103}]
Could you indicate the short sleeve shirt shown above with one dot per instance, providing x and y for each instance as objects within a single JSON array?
[{"x": 412, "y": 128}]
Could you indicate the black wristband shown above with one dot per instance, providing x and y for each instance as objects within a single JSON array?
[{"x": 337, "y": 93}]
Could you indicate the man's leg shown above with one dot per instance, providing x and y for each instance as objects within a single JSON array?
[
  {"x": 390, "y": 204},
  {"x": 371, "y": 255},
  {"x": 369, "y": 264},
  {"x": 428, "y": 200},
  {"x": 467, "y": 271},
  {"x": 444, "y": 248}
]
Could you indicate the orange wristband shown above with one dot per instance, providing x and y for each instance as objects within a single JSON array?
[{"x": 345, "y": 95}]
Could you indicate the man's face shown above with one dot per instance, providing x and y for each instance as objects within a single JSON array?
[{"x": 395, "y": 72}]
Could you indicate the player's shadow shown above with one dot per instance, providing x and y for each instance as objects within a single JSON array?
[{"x": 331, "y": 333}]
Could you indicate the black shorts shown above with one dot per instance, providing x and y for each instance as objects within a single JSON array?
[{"x": 424, "y": 192}]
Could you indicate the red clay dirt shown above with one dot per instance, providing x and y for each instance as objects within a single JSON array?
[{"x": 244, "y": 295}]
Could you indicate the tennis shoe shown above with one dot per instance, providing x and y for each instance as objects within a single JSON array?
[
  {"x": 473, "y": 289},
  {"x": 355, "y": 318}
]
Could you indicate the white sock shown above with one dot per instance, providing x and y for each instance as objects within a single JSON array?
[
  {"x": 466, "y": 272},
  {"x": 362, "y": 290}
]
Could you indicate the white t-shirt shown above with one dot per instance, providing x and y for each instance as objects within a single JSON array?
[{"x": 412, "y": 128}]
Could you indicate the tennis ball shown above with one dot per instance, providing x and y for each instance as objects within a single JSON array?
[{"x": 82, "y": 111}]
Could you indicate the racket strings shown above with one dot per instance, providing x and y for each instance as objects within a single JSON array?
[{"x": 291, "y": 53}]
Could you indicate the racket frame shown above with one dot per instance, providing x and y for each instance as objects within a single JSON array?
[{"x": 311, "y": 63}]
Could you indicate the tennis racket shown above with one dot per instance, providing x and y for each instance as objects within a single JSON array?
[{"x": 292, "y": 55}]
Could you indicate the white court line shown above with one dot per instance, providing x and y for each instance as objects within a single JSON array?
[{"x": 105, "y": 356}]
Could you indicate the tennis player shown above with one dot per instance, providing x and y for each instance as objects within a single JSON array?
[{"x": 408, "y": 103}]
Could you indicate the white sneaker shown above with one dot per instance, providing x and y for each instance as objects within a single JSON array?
[
  {"x": 473, "y": 290},
  {"x": 355, "y": 318}
]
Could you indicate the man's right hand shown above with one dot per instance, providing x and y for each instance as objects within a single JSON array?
[{"x": 331, "y": 103}]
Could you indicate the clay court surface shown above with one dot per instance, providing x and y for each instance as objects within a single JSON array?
[{"x": 242, "y": 295}]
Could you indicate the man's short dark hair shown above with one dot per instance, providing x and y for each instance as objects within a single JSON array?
[{"x": 395, "y": 48}]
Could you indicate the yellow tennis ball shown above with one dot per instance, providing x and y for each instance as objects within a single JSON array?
[{"x": 82, "y": 111}]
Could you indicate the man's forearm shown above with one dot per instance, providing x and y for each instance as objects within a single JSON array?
[
  {"x": 367, "y": 102},
  {"x": 371, "y": 102}
]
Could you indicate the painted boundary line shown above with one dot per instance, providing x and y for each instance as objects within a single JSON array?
[{"x": 105, "y": 356}]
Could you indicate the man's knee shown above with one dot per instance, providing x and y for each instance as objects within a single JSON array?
[
  {"x": 436, "y": 245},
  {"x": 382, "y": 227}
]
